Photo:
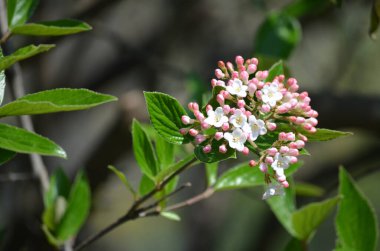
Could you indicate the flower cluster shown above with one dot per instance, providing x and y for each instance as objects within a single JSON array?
[{"x": 249, "y": 109}]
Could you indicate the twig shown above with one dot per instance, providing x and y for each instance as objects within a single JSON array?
[
  {"x": 134, "y": 211},
  {"x": 202, "y": 196}
]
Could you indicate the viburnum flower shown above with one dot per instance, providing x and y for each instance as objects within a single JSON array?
[
  {"x": 216, "y": 118},
  {"x": 249, "y": 108}
]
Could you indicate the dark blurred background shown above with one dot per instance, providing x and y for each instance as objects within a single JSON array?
[{"x": 173, "y": 46}]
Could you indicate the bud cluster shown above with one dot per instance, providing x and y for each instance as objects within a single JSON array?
[{"x": 247, "y": 108}]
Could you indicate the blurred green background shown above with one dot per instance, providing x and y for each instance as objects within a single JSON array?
[{"x": 173, "y": 46}]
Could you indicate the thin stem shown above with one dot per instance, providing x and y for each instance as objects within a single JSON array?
[
  {"x": 202, "y": 196},
  {"x": 134, "y": 211}
]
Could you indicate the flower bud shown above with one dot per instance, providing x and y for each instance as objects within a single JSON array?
[
  {"x": 251, "y": 68},
  {"x": 225, "y": 126},
  {"x": 186, "y": 120},
  {"x": 219, "y": 74},
  {"x": 245, "y": 150},
  {"x": 271, "y": 126},
  {"x": 268, "y": 160},
  {"x": 293, "y": 152},
  {"x": 222, "y": 148},
  {"x": 239, "y": 60},
  {"x": 183, "y": 131},
  {"x": 218, "y": 135},
  {"x": 220, "y": 99},
  {"x": 284, "y": 149},
  {"x": 265, "y": 108},
  {"x": 207, "y": 149},
  {"x": 272, "y": 151},
  {"x": 252, "y": 163},
  {"x": 226, "y": 109},
  {"x": 193, "y": 132},
  {"x": 241, "y": 103},
  {"x": 199, "y": 138},
  {"x": 263, "y": 167}
]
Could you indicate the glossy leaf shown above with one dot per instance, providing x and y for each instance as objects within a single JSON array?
[
  {"x": 146, "y": 185},
  {"x": 283, "y": 207},
  {"x": 22, "y": 141},
  {"x": 165, "y": 152},
  {"x": 6, "y": 155},
  {"x": 324, "y": 134},
  {"x": 301, "y": 8},
  {"x": 294, "y": 245},
  {"x": 309, "y": 190},
  {"x": 211, "y": 173},
  {"x": 375, "y": 19},
  {"x": 51, "y": 28},
  {"x": 56, "y": 100},
  {"x": 143, "y": 150},
  {"x": 243, "y": 176},
  {"x": 123, "y": 179},
  {"x": 23, "y": 53},
  {"x": 170, "y": 216},
  {"x": 356, "y": 222},
  {"x": 165, "y": 113},
  {"x": 307, "y": 219},
  {"x": 78, "y": 207},
  {"x": 175, "y": 167},
  {"x": 19, "y": 11},
  {"x": 277, "y": 36},
  {"x": 275, "y": 70}
]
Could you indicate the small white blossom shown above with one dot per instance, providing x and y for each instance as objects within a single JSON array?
[
  {"x": 216, "y": 118},
  {"x": 236, "y": 139},
  {"x": 239, "y": 119},
  {"x": 271, "y": 94},
  {"x": 273, "y": 190},
  {"x": 255, "y": 127},
  {"x": 237, "y": 88},
  {"x": 281, "y": 161}
]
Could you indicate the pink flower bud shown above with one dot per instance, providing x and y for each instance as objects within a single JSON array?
[
  {"x": 293, "y": 145},
  {"x": 300, "y": 120},
  {"x": 221, "y": 64},
  {"x": 272, "y": 151},
  {"x": 268, "y": 160},
  {"x": 271, "y": 126},
  {"x": 293, "y": 119},
  {"x": 220, "y": 99},
  {"x": 248, "y": 113},
  {"x": 259, "y": 94},
  {"x": 205, "y": 125},
  {"x": 282, "y": 109},
  {"x": 222, "y": 149},
  {"x": 209, "y": 108},
  {"x": 291, "y": 81},
  {"x": 220, "y": 83},
  {"x": 290, "y": 136},
  {"x": 293, "y": 88},
  {"x": 282, "y": 136},
  {"x": 218, "y": 135},
  {"x": 251, "y": 68},
  {"x": 251, "y": 88},
  {"x": 225, "y": 126},
  {"x": 313, "y": 130},
  {"x": 226, "y": 109},
  {"x": 300, "y": 144},
  {"x": 252, "y": 163},
  {"x": 213, "y": 82},
  {"x": 281, "y": 178},
  {"x": 241, "y": 103},
  {"x": 293, "y": 159},
  {"x": 199, "y": 138},
  {"x": 190, "y": 106},
  {"x": 285, "y": 184},
  {"x": 195, "y": 106},
  {"x": 284, "y": 149},
  {"x": 244, "y": 76},
  {"x": 281, "y": 78},
  {"x": 263, "y": 167},
  {"x": 293, "y": 152},
  {"x": 245, "y": 150},
  {"x": 193, "y": 132},
  {"x": 230, "y": 66},
  {"x": 315, "y": 114},
  {"x": 260, "y": 84},
  {"x": 207, "y": 149},
  {"x": 265, "y": 108},
  {"x": 302, "y": 137},
  {"x": 239, "y": 60},
  {"x": 235, "y": 74},
  {"x": 254, "y": 61},
  {"x": 226, "y": 95},
  {"x": 307, "y": 126},
  {"x": 261, "y": 75},
  {"x": 312, "y": 121},
  {"x": 186, "y": 120},
  {"x": 219, "y": 74},
  {"x": 183, "y": 131}
]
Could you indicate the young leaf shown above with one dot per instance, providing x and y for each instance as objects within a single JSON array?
[
  {"x": 143, "y": 150},
  {"x": 22, "y": 141},
  {"x": 283, "y": 207},
  {"x": 56, "y": 100},
  {"x": 146, "y": 185},
  {"x": 51, "y": 28},
  {"x": 278, "y": 36},
  {"x": 23, "y": 53},
  {"x": 6, "y": 156},
  {"x": 275, "y": 70},
  {"x": 78, "y": 207},
  {"x": 243, "y": 176},
  {"x": 211, "y": 173},
  {"x": 324, "y": 134},
  {"x": 356, "y": 222},
  {"x": 307, "y": 219},
  {"x": 165, "y": 113},
  {"x": 19, "y": 11},
  {"x": 123, "y": 179},
  {"x": 170, "y": 216}
]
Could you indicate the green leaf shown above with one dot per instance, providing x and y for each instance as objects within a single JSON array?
[
  {"x": 309, "y": 190},
  {"x": 56, "y": 100},
  {"x": 22, "y": 141},
  {"x": 375, "y": 19},
  {"x": 170, "y": 216},
  {"x": 165, "y": 152},
  {"x": 143, "y": 150},
  {"x": 51, "y": 238},
  {"x": 243, "y": 176},
  {"x": 211, "y": 173},
  {"x": 146, "y": 185},
  {"x": 278, "y": 36},
  {"x": 307, "y": 219},
  {"x": 123, "y": 179},
  {"x": 19, "y": 11},
  {"x": 294, "y": 245},
  {"x": 6, "y": 156},
  {"x": 283, "y": 207},
  {"x": 324, "y": 134},
  {"x": 165, "y": 113},
  {"x": 356, "y": 222},
  {"x": 175, "y": 167},
  {"x": 275, "y": 70},
  {"x": 51, "y": 28},
  {"x": 23, "y": 53},
  {"x": 79, "y": 203},
  {"x": 214, "y": 155},
  {"x": 301, "y": 8}
]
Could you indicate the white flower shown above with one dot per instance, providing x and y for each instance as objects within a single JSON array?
[
  {"x": 238, "y": 119},
  {"x": 271, "y": 94},
  {"x": 255, "y": 127},
  {"x": 216, "y": 118},
  {"x": 236, "y": 139},
  {"x": 273, "y": 190},
  {"x": 281, "y": 161},
  {"x": 237, "y": 88}
]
